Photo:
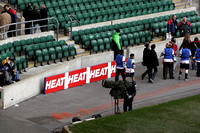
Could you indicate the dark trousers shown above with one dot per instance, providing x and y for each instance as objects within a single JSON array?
[
  {"x": 116, "y": 52},
  {"x": 155, "y": 70},
  {"x": 43, "y": 29},
  {"x": 168, "y": 66},
  {"x": 198, "y": 69},
  {"x": 11, "y": 28},
  {"x": 27, "y": 25},
  {"x": 127, "y": 103},
  {"x": 148, "y": 71},
  {"x": 119, "y": 71}
]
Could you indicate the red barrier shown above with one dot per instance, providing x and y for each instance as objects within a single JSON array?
[{"x": 79, "y": 77}]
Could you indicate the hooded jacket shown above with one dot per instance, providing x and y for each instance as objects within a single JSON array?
[{"x": 116, "y": 38}]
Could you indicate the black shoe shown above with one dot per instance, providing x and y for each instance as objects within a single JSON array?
[
  {"x": 172, "y": 78},
  {"x": 17, "y": 80},
  {"x": 7, "y": 83},
  {"x": 142, "y": 77}
]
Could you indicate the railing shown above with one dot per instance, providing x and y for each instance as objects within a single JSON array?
[
  {"x": 188, "y": 2},
  {"x": 72, "y": 21},
  {"x": 4, "y": 33}
]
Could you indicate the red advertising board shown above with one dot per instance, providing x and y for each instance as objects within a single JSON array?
[
  {"x": 54, "y": 83},
  {"x": 79, "y": 77},
  {"x": 76, "y": 78}
]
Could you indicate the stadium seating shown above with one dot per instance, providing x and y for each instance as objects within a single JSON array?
[
  {"x": 40, "y": 49},
  {"x": 134, "y": 32},
  {"x": 94, "y": 11}
]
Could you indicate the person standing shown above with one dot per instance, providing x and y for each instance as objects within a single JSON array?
[
  {"x": 175, "y": 48},
  {"x": 168, "y": 61},
  {"x": 128, "y": 97},
  {"x": 197, "y": 56},
  {"x": 5, "y": 19},
  {"x": 185, "y": 27},
  {"x": 35, "y": 15},
  {"x": 154, "y": 64},
  {"x": 193, "y": 46},
  {"x": 13, "y": 15},
  {"x": 120, "y": 61},
  {"x": 185, "y": 54},
  {"x": 172, "y": 26},
  {"x": 116, "y": 43},
  {"x": 130, "y": 66},
  {"x": 186, "y": 41},
  {"x": 43, "y": 13},
  {"x": 26, "y": 14},
  {"x": 145, "y": 62}
]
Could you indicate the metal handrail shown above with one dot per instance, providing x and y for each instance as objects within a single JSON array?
[
  {"x": 188, "y": 2},
  {"x": 31, "y": 27},
  {"x": 71, "y": 21}
]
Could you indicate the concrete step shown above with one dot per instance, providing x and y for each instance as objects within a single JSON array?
[
  {"x": 70, "y": 42},
  {"x": 76, "y": 46},
  {"x": 80, "y": 51},
  {"x": 83, "y": 54},
  {"x": 61, "y": 37},
  {"x": 180, "y": 4},
  {"x": 176, "y": 1}
]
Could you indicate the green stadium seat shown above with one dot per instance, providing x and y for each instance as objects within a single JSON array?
[{"x": 72, "y": 50}]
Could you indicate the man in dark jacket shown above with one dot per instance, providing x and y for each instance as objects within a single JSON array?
[
  {"x": 193, "y": 47},
  {"x": 146, "y": 54},
  {"x": 43, "y": 13},
  {"x": 35, "y": 15},
  {"x": 26, "y": 14},
  {"x": 13, "y": 15},
  {"x": 185, "y": 27},
  {"x": 172, "y": 25},
  {"x": 154, "y": 63},
  {"x": 116, "y": 47}
]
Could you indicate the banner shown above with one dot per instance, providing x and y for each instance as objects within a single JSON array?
[{"x": 79, "y": 77}]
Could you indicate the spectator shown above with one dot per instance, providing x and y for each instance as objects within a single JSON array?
[
  {"x": 146, "y": 54},
  {"x": 5, "y": 19},
  {"x": 35, "y": 15},
  {"x": 116, "y": 43},
  {"x": 193, "y": 46},
  {"x": 185, "y": 54},
  {"x": 26, "y": 14},
  {"x": 174, "y": 47},
  {"x": 120, "y": 61},
  {"x": 185, "y": 27},
  {"x": 168, "y": 61},
  {"x": 198, "y": 60},
  {"x": 43, "y": 13},
  {"x": 128, "y": 97},
  {"x": 13, "y": 15},
  {"x": 172, "y": 26},
  {"x": 130, "y": 66},
  {"x": 154, "y": 63},
  {"x": 186, "y": 41},
  {"x": 9, "y": 67}
]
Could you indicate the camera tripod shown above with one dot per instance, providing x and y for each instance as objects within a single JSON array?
[{"x": 116, "y": 106}]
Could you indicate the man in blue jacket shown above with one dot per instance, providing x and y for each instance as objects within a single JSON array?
[
  {"x": 120, "y": 61},
  {"x": 172, "y": 25},
  {"x": 185, "y": 55}
]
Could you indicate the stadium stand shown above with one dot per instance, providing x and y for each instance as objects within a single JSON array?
[
  {"x": 40, "y": 49},
  {"x": 91, "y": 11}
]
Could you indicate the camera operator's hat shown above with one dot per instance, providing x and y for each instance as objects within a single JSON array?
[{"x": 11, "y": 59}]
